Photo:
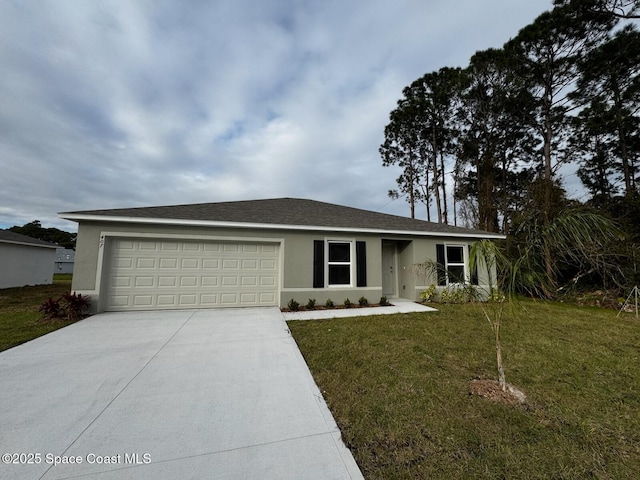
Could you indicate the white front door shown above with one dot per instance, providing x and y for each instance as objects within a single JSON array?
[{"x": 388, "y": 269}]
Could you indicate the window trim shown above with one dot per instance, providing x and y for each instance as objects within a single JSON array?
[
  {"x": 350, "y": 263},
  {"x": 464, "y": 264}
]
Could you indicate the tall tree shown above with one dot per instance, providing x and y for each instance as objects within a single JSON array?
[
  {"x": 36, "y": 230},
  {"x": 548, "y": 51},
  {"x": 616, "y": 9},
  {"x": 609, "y": 85},
  {"x": 420, "y": 136},
  {"x": 494, "y": 139},
  {"x": 402, "y": 147}
]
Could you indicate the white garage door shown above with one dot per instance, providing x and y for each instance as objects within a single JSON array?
[{"x": 145, "y": 274}]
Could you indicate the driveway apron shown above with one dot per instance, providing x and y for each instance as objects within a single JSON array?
[{"x": 222, "y": 394}]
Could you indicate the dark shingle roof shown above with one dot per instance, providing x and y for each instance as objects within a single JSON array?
[
  {"x": 281, "y": 212},
  {"x": 7, "y": 236}
]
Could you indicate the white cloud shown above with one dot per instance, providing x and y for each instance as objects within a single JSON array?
[{"x": 118, "y": 103}]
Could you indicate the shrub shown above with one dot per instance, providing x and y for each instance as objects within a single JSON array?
[
  {"x": 76, "y": 305},
  {"x": 329, "y": 303},
  {"x": 384, "y": 302},
  {"x": 51, "y": 309},
  {"x": 454, "y": 294},
  {"x": 293, "y": 305},
  {"x": 496, "y": 296},
  {"x": 363, "y": 302},
  {"x": 429, "y": 294},
  {"x": 311, "y": 304},
  {"x": 71, "y": 306},
  {"x": 347, "y": 303}
]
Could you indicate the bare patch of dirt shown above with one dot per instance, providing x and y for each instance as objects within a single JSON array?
[{"x": 490, "y": 389}]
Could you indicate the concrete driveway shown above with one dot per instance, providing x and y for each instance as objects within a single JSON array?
[{"x": 221, "y": 394}]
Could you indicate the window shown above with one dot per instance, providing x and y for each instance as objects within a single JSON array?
[
  {"x": 451, "y": 258},
  {"x": 339, "y": 263},
  {"x": 346, "y": 261}
]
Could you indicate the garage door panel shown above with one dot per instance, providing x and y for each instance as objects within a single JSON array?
[
  {"x": 166, "y": 300},
  {"x": 142, "y": 300},
  {"x": 210, "y": 281},
  {"x": 230, "y": 264},
  {"x": 145, "y": 274},
  {"x": 188, "y": 281},
  {"x": 146, "y": 263},
  {"x": 190, "y": 263},
  {"x": 144, "y": 282},
  {"x": 149, "y": 246},
  {"x": 267, "y": 281},
  {"x": 229, "y": 281}
]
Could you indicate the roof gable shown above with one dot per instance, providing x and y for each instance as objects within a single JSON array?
[{"x": 288, "y": 213}]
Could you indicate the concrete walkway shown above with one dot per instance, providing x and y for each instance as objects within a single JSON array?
[
  {"x": 215, "y": 394},
  {"x": 399, "y": 305}
]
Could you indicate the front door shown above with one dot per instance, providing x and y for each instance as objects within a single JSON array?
[{"x": 388, "y": 269}]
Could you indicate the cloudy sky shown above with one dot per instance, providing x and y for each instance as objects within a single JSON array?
[{"x": 107, "y": 104}]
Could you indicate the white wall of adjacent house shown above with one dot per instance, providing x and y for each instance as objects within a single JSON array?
[{"x": 22, "y": 265}]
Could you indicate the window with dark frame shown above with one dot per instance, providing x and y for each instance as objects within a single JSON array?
[
  {"x": 339, "y": 263},
  {"x": 451, "y": 259},
  {"x": 455, "y": 263}
]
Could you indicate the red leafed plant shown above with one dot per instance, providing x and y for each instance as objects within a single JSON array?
[{"x": 70, "y": 306}]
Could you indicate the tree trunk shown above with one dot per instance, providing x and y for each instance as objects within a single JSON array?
[
  {"x": 622, "y": 138},
  {"x": 436, "y": 188},
  {"x": 444, "y": 189},
  {"x": 412, "y": 180},
  {"x": 547, "y": 184},
  {"x": 486, "y": 202}
]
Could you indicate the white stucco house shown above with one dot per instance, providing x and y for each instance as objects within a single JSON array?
[{"x": 25, "y": 260}]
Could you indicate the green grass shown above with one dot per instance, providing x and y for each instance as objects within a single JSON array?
[
  {"x": 20, "y": 320},
  {"x": 398, "y": 387}
]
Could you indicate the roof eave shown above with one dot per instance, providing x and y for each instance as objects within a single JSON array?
[
  {"x": 27, "y": 244},
  {"x": 78, "y": 217}
]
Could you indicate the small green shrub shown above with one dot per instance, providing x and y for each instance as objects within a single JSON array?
[
  {"x": 293, "y": 305},
  {"x": 363, "y": 302},
  {"x": 496, "y": 296},
  {"x": 384, "y": 302},
  {"x": 329, "y": 303},
  {"x": 347, "y": 303},
  {"x": 429, "y": 294},
  {"x": 311, "y": 304},
  {"x": 452, "y": 295}
]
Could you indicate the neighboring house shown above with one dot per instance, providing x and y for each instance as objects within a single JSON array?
[
  {"x": 64, "y": 260},
  {"x": 258, "y": 253},
  {"x": 25, "y": 260}
]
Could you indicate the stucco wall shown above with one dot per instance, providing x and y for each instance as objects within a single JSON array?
[
  {"x": 25, "y": 265},
  {"x": 296, "y": 280}
]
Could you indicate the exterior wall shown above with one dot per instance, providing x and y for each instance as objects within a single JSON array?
[
  {"x": 64, "y": 261},
  {"x": 426, "y": 250},
  {"x": 296, "y": 258},
  {"x": 25, "y": 265},
  {"x": 298, "y": 270},
  {"x": 296, "y": 279}
]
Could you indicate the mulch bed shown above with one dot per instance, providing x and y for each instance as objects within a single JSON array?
[
  {"x": 336, "y": 307},
  {"x": 490, "y": 389}
]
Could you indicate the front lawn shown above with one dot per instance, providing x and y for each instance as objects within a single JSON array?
[
  {"x": 398, "y": 386},
  {"x": 20, "y": 320}
]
